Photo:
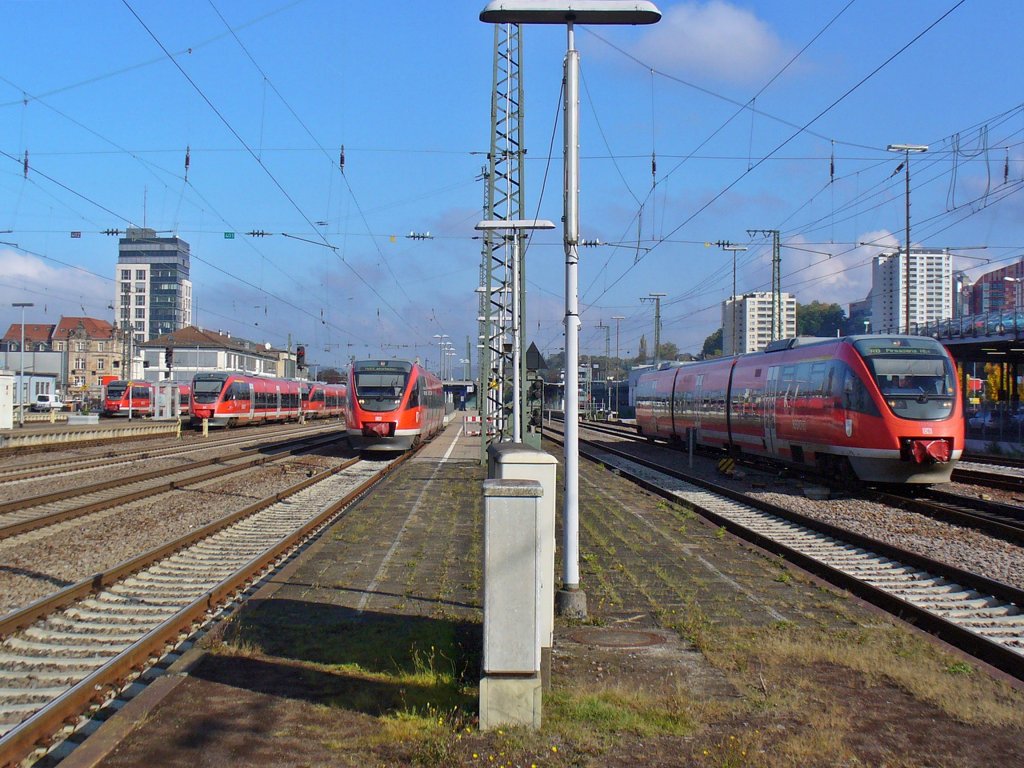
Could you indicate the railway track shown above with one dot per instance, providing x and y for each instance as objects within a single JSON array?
[
  {"x": 67, "y": 654},
  {"x": 33, "y": 471},
  {"x": 981, "y": 616},
  {"x": 36, "y": 512}
]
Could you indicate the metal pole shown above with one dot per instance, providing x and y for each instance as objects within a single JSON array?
[
  {"x": 21, "y": 379},
  {"x": 907, "y": 273},
  {"x": 517, "y": 411},
  {"x": 572, "y": 601}
]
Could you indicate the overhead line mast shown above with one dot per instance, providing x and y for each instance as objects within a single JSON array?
[{"x": 504, "y": 200}]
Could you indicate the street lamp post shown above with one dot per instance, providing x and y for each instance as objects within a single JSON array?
[
  {"x": 21, "y": 378},
  {"x": 906, "y": 149},
  {"x": 440, "y": 353},
  {"x": 571, "y": 600},
  {"x": 517, "y": 226}
]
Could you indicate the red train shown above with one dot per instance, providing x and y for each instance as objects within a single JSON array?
[
  {"x": 323, "y": 401},
  {"x": 132, "y": 399},
  {"x": 883, "y": 409},
  {"x": 137, "y": 398},
  {"x": 229, "y": 399},
  {"x": 392, "y": 405}
]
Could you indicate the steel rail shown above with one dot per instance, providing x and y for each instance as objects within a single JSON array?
[
  {"x": 230, "y": 466},
  {"x": 43, "y": 469},
  {"x": 26, "y": 737},
  {"x": 998, "y": 655}
]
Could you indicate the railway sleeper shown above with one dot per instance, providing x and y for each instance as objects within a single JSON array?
[
  {"x": 46, "y": 649},
  {"x": 992, "y": 609},
  {"x": 11, "y": 697},
  {"x": 43, "y": 635},
  {"x": 82, "y": 665}
]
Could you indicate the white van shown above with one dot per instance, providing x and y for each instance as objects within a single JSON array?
[{"x": 46, "y": 402}]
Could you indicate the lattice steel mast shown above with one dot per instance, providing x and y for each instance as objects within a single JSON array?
[{"x": 503, "y": 200}]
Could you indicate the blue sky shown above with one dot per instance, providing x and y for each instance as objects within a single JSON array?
[{"x": 106, "y": 96}]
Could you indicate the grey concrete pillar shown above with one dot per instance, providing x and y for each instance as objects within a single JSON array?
[
  {"x": 510, "y": 691},
  {"x": 515, "y": 461}
]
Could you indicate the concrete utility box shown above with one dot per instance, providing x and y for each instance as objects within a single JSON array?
[
  {"x": 510, "y": 693},
  {"x": 515, "y": 461},
  {"x": 166, "y": 401},
  {"x": 6, "y": 400}
]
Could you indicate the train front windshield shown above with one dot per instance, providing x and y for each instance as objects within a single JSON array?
[
  {"x": 116, "y": 391},
  {"x": 380, "y": 389},
  {"x": 206, "y": 390},
  {"x": 914, "y": 376}
]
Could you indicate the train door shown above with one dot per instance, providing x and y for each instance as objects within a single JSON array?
[
  {"x": 252, "y": 399},
  {"x": 698, "y": 401},
  {"x": 771, "y": 387}
]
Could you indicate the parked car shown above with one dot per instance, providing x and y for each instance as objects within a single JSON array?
[{"x": 46, "y": 402}]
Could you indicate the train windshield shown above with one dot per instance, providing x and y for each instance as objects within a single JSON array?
[
  {"x": 206, "y": 390},
  {"x": 115, "y": 390},
  {"x": 914, "y": 376},
  {"x": 380, "y": 389}
]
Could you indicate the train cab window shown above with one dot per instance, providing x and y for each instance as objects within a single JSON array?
[
  {"x": 380, "y": 390},
  {"x": 915, "y": 380},
  {"x": 414, "y": 395}
]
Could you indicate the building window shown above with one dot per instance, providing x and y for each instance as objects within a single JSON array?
[
  {"x": 79, "y": 363},
  {"x": 100, "y": 364},
  {"x": 140, "y": 313},
  {"x": 140, "y": 274},
  {"x": 80, "y": 346},
  {"x": 126, "y": 274},
  {"x": 59, "y": 346},
  {"x": 140, "y": 301}
]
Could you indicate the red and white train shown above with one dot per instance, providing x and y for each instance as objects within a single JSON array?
[
  {"x": 392, "y": 405},
  {"x": 883, "y": 409},
  {"x": 323, "y": 401},
  {"x": 136, "y": 399},
  {"x": 229, "y": 399}
]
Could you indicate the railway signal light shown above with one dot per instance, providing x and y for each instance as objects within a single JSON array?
[
  {"x": 300, "y": 356},
  {"x": 169, "y": 356}
]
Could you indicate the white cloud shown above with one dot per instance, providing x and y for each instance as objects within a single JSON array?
[
  {"x": 842, "y": 278},
  {"x": 715, "y": 40},
  {"x": 55, "y": 290}
]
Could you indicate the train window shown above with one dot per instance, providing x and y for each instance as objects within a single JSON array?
[
  {"x": 916, "y": 383},
  {"x": 414, "y": 395},
  {"x": 855, "y": 396}
]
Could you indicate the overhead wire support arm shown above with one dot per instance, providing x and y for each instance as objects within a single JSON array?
[{"x": 776, "y": 278}]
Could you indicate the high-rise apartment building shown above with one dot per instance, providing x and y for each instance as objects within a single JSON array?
[
  {"x": 931, "y": 289},
  {"x": 154, "y": 293},
  {"x": 753, "y": 328}
]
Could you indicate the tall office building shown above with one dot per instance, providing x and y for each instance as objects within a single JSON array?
[
  {"x": 154, "y": 293},
  {"x": 754, "y": 322},
  {"x": 931, "y": 289}
]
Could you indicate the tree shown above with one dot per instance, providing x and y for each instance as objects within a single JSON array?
[
  {"x": 819, "y": 319},
  {"x": 331, "y": 376},
  {"x": 641, "y": 352},
  {"x": 667, "y": 351},
  {"x": 713, "y": 344}
]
